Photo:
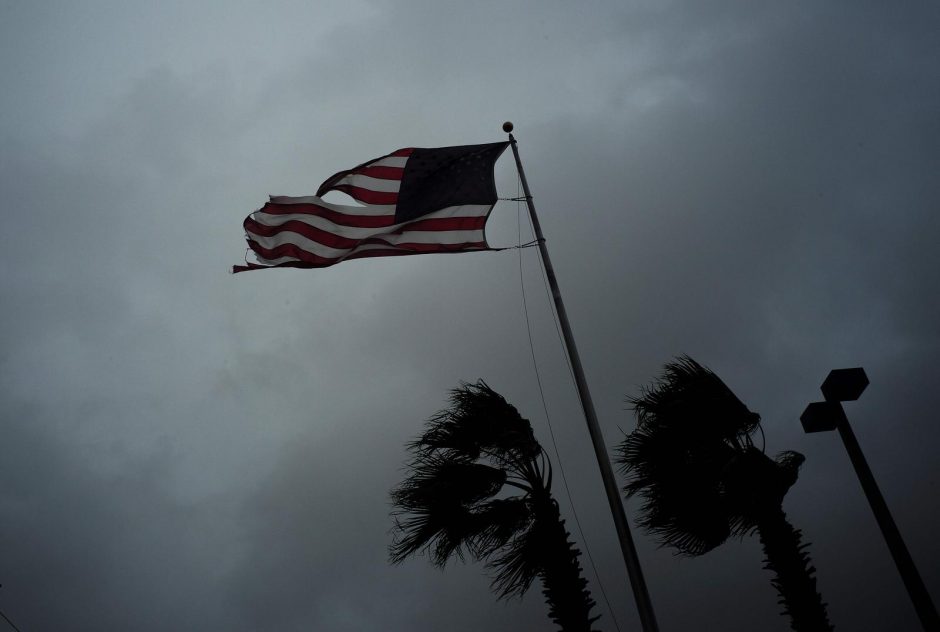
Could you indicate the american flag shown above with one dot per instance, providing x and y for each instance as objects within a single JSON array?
[{"x": 412, "y": 201}]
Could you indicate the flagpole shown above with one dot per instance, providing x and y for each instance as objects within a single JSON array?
[{"x": 637, "y": 582}]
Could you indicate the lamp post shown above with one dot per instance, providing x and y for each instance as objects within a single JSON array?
[{"x": 845, "y": 385}]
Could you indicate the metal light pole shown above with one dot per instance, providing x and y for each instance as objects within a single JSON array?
[{"x": 845, "y": 385}]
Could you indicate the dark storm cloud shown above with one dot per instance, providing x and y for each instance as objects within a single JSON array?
[
  {"x": 749, "y": 183},
  {"x": 88, "y": 545}
]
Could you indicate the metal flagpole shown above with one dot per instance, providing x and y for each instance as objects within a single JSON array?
[{"x": 637, "y": 582}]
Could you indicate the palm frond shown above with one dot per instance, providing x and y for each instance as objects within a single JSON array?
[
  {"x": 498, "y": 522},
  {"x": 692, "y": 401},
  {"x": 519, "y": 564},
  {"x": 454, "y": 503},
  {"x": 435, "y": 480},
  {"x": 468, "y": 453},
  {"x": 479, "y": 420},
  {"x": 690, "y": 425},
  {"x": 693, "y": 464},
  {"x": 439, "y": 531},
  {"x": 679, "y": 488},
  {"x": 440, "y": 500},
  {"x": 790, "y": 463}
]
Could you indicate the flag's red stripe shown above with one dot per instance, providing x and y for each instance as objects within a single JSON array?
[
  {"x": 401, "y": 153},
  {"x": 383, "y": 173},
  {"x": 343, "y": 219},
  {"x": 296, "y": 252},
  {"x": 249, "y": 266},
  {"x": 324, "y": 262},
  {"x": 290, "y": 250},
  {"x": 373, "y": 221},
  {"x": 333, "y": 240},
  {"x": 312, "y": 233},
  {"x": 367, "y": 196}
]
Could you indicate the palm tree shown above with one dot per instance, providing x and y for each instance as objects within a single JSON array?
[
  {"x": 693, "y": 462},
  {"x": 479, "y": 484}
]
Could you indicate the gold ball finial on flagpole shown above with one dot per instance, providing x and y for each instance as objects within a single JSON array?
[{"x": 507, "y": 127}]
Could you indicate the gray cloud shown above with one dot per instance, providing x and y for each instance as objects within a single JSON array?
[{"x": 750, "y": 183}]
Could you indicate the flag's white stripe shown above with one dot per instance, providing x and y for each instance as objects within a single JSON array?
[
  {"x": 391, "y": 161},
  {"x": 355, "y": 232},
  {"x": 430, "y": 237},
  {"x": 370, "y": 183},
  {"x": 362, "y": 248},
  {"x": 418, "y": 237},
  {"x": 351, "y": 232},
  {"x": 347, "y": 209}
]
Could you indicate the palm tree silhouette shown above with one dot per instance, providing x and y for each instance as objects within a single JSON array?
[
  {"x": 694, "y": 464},
  {"x": 479, "y": 484}
]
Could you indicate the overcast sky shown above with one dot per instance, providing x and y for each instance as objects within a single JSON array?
[{"x": 752, "y": 183}]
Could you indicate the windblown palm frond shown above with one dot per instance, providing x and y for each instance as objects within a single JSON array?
[
  {"x": 680, "y": 488},
  {"x": 468, "y": 453},
  {"x": 444, "y": 502},
  {"x": 689, "y": 400},
  {"x": 479, "y": 422},
  {"x": 693, "y": 463},
  {"x": 457, "y": 501},
  {"x": 689, "y": 426}
]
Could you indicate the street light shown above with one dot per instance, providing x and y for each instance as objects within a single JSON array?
[{"x": 845, "y": 385}]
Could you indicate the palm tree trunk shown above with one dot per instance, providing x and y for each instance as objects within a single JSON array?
[
  {"x": 564, "y": 587},
  {"x": 785, "y": 556}
]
